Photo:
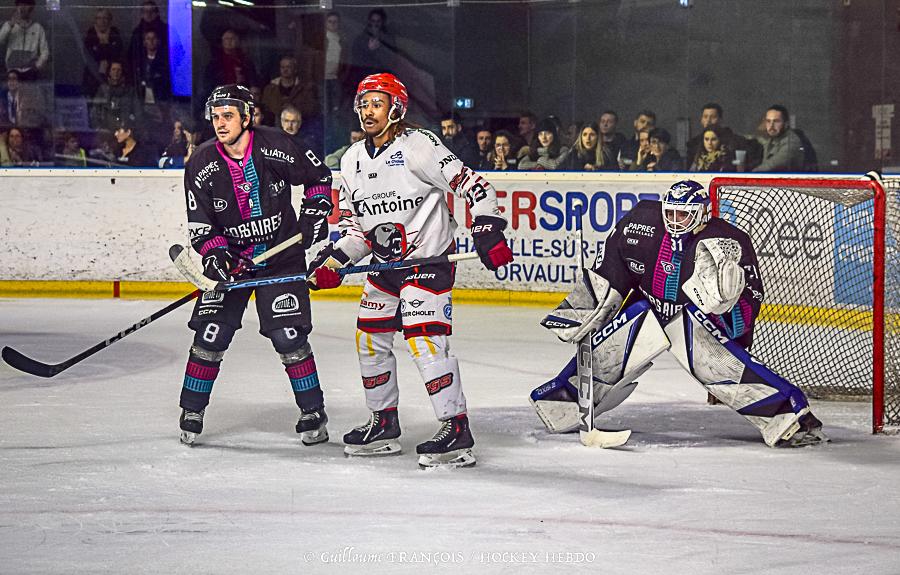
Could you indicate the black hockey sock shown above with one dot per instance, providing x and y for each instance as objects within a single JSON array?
[{"x": 199, "y": 376}]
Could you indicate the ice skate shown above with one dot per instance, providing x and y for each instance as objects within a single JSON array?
[
  {"x": 451, "y": 446},
  {"x": 377, "y": 437},
  {"x": 311, "y": 426},
  {"x": 808, "y": 431},
  {"x": 191, "y": 423}
]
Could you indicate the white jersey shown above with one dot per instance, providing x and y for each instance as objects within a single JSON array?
[{"x": 394, "y": 199}]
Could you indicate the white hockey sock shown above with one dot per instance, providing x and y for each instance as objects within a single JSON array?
[
  {"x": 378, "y": 367},
  {"x": 440, "y": 373}
]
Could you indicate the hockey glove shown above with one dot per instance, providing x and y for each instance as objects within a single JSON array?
[
  {"x": 313, "y": 219},
  {"x": 323, "y": 266},
  {"x": 718, "y": 279},
  {"x": 221, "y": 264},
  {"x": 487, "y": 233},
  {"x": 591, "y": 305}
]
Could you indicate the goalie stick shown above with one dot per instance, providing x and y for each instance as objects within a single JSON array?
[
  {"x": 180, "y": 256},
  {"x": 589, "y": 435},
  {"x": 31, "y": 366}
]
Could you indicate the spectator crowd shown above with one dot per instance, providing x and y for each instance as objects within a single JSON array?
[{"x": 135, "y": 120}]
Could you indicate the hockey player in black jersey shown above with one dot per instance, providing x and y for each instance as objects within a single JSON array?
[
  {"x": 671, "y": 277},
  {"x": 238, "y": 193}
]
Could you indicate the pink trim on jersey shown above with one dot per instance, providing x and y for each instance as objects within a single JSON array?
[
  {"x": 238, "y": 178},
  {"x": 204, "y": 372},
  {"x": 318, "y": 190},
  {"x": 659, "y": 274},
  {"x": 216, "y": 242},
  {"x": 747, "y": 314},
  {"x": 302, "y": 369}
]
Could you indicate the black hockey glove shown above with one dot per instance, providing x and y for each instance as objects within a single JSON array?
[
  {"x": 487, "y": 232},
  {"x": 220, "y": 264},
  {"x": 321, "y": 268},
  {"x": 313, "y": 219}
]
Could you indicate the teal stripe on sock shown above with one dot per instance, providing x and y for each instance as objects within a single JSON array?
[
  {"x": 305, "y": 383},
  {"x": 198, "y": 385}
]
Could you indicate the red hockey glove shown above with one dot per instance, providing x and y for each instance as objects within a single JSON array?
[
  {"x": 323, "y": 266},
  {"x": 487, "y": 232}
]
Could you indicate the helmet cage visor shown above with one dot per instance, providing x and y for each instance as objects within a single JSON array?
[
  {"x": 681, "y": 218},
  {"x": 243, "y": 107}
]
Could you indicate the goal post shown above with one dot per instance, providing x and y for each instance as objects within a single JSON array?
[{"x": 827, "y": 250}]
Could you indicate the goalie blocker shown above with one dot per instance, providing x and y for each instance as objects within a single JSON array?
[{"x": 622, "y": 350}]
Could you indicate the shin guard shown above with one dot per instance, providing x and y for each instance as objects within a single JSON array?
[{"x": 440, "y": 371}]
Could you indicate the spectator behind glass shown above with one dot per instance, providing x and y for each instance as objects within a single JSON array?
[
  {"x": 502, "y": 157},
  {"x": 150, "y": 21},
  {"x": 456, "y": 141},
  {"x": 589, "y": 154},
  {"x": 291, "y": 122},
  {"x": 21, "y": 151},
  {"x": 484, "y": 141},
  {"x": 782, "y": 147},
  {"x": 103, "y": 43},
  {"x": 133, "y": 153},
  {"x": 24, "y": 104},
  {"x": 288, "y": 90},
  {"x": 115, "y": 98},
  {"x": 661, "y": 158},
  {"x": 333, "y": 160},
  {"x": 715, "y": 156},
  {"x": 375, "y": 48},
  {"x": 27, "y": 49},
  {"x": 713, "y": 115},
  {"x": 335, "y": 63},
  {"x": 71, "y": 153},
  {"x": 154, "y": 91},
  {"x": 527, "y": 123},
  {"x": 643, "y": 153},
  {"x": 545, "y": 153},
  {"x": 229, "y": 64},
  {"x": 645, "y": 120},
  {"x": 613, "y": 140},
  {"x": 177, "y": 151}
]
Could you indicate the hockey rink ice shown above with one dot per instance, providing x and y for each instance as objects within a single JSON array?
[{"x": 93, "y": 478}]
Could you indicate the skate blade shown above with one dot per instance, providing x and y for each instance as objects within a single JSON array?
[
  {"x": 313, "y": 437},
  {"x": 604, "y": 439},
  {"x": 557, "y": 416},
  {"x": 807, "y": 438},
  {"x": 188, "y": 438},
  {"x": 374, "y": 449},
  {"x": 451, "y": 459}
]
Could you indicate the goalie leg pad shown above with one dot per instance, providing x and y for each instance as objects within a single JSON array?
[
  {"x": 440, "y": 372},
  {"x": 589, "y": 306},
  {"x": 378, "y": 367},
  {"x": 619, "y": 353},
  {"x": 769, "y": 402}
]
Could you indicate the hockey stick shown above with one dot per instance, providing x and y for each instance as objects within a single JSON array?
[
  {"x": 591, "y": 436},
  {"x": 28, "y": 365},
  {"x": 191, "y": 271},
  {"x": 34, "y": 367},
  {"x": 181, "y": 257}
]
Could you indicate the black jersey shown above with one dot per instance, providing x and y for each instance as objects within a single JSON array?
[
  {"x": 641, "y": 255},
  {"x": 245, "y": 204}
]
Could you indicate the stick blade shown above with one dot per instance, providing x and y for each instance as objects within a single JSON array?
[
  {"x": 24, "y": 363},
  {"x": 181, "y": 257},
  {"x": 604, "y": 439}
]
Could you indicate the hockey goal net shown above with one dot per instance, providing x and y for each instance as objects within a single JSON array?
[{"x": 827, "y": 249}]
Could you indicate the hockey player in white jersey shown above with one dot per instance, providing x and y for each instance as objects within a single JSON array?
[{"x": 393, "y": 206}]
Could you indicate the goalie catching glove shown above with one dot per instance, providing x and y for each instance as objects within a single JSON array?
[
  {"x": 221, "y": 264},
  {"x": 718, "y": 279},
  {"x": 487, "y": 233},
  {"x": 313, "y": 219},
  {"x": 323, "y": 266},
  {"x": 590, "y": 305}
]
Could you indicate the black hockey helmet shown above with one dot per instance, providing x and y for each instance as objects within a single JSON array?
[{"x": 231, "y": 95}]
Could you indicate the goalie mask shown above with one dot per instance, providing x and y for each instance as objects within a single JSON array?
[
  {"x": 686, "y": 208},
  {"x": 398, "y": 98}
]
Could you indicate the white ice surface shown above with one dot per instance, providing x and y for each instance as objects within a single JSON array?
[{"x": 94, "y": 480}]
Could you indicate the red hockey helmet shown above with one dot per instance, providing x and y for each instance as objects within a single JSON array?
[{"x": 390, "y": 85}]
